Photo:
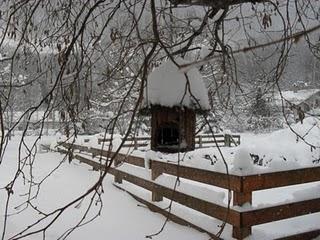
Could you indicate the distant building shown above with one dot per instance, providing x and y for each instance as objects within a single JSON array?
[{"x": 303, "y": 100}]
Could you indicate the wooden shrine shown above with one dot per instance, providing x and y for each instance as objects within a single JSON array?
[{"x": 172, "y": 108}]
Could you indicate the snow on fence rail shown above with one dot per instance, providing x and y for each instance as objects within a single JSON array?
[
  {"x": 202, "y": 141},
  {"x": 241, "y": 217}
]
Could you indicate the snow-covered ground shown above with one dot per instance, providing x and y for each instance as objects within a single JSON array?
[
  {"x": 121, "y": 216},
  {"x": 285, "y": 149}
]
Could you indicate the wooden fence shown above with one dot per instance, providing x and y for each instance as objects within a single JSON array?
[
  {"x": 202, "y": 141},
  {"x": 242, "y": 188}
]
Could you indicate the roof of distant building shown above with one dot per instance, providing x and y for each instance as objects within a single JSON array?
[{"x": 298, "y": 96}]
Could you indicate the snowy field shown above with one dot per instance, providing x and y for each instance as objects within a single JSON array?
[
  {"x": 124, "y": 218},
  {"x": 121, "y": 218}
]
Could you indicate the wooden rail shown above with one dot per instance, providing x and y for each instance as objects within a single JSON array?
[
  {"x": 202, "y": 141},
  {"x": 242, "y": 187}
]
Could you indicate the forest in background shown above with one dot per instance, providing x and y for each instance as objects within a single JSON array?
[{"x": 90, "y": 61}]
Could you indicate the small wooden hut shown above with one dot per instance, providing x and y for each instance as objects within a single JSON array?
[{"x": 173, "y": 98}]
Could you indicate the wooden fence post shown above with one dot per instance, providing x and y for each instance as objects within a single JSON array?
[
  {"x": 155, "y": 172},
  {"x": 200, "y": 141},
  {"x": 239, "y": 199},
  {"x": 117, "y": 176},
  {"x": 70, "y": 153},
  {"x": 135, "y": 142},
  {"x": 227, "y": 140}
]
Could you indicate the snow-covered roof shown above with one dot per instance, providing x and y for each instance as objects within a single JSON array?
[
  {"x": 297, "y": 97},
  {"x": 167, "y": 86}
]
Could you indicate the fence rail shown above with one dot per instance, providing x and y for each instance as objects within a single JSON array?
[
  {"x": 201, "y": 141},
  {"x": 242, "y": 187}
]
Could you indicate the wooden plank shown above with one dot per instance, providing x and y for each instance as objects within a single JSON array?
[
  {"x": 127, "y": 140},
  {"x": 137, "y": 161},
  {"x": 275, "y": 213},
  {"x": 210, "y": 136},
  {"x": 96, "y": 166},
  {"x": 216, "y": 136},
  {"x": 281, "y": 179},
  {"x": 82, "y": 148},
  {"x": 62, "y": 150},
  {"x": 99, "y": 152},
  {"x": 138, "y": 139},
  {"x": 222, "y": 180},
  {"x": 133, "y": 145},
  {"x": 74, "y": 146},
  {"x": 130, "y": 141},
  {"x": 305, "y": 236},
  {"x": 100, "y": 140},
  {"x": 64, "y": 144},
  {"x": 210, "y": 141}
]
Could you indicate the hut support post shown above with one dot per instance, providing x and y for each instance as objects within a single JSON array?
[{"x": 239, "y": 199}]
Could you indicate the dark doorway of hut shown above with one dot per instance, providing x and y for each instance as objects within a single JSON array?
[{"x": 168, "y": 135}]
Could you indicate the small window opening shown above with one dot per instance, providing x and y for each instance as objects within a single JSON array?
[{"x": 168, "y": 135}]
